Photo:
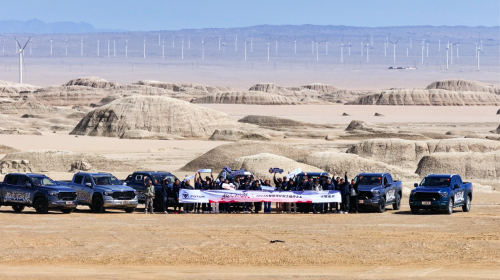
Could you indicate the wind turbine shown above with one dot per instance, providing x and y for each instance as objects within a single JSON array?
[
  {"x": 108, "y": 48},
  {"x": 447, "y": 47},
  {"x": 97, "y": 47},
  {"x": 268, "y": 52},
  {"x": 224, "y": 48},
  {"x": 276, "y": 46},
  {"x": 202, "y": 48},
  {"x": 163, "y": 49},
  {"x": 50, "y": 46},
  {"x": 245, "y": 50},
  {"x": 219, "y": 43},
  {"x": 394, "y": 45},
  {"x": 3, "y": 46},
  {"x": 423, "y": 45},
  {"x": 189, "y": 42},
  {"x": 407, "y": 45},
  {"x": 368, "y": 47},
  {"x": 385, "y": 49},
  {"x": 236, "y": 43},
  {"x": 144, "y": 56},
  {"x": 81, "y": 47},
  {"x": 21, "y": 59},
  {"x": 458, "y": 44},
  {"x": 476, "y": 49},
  {"x": 342, "y": 50},
  {"x": 479, "y": 51},
  {"x": 251, "y": 44},
  {"x": 182, "y": 49},
  {"x": 427, "y": 47},
  {"x": 317, "y": 54},
  {"x": 114, "y": 48},
  {"x": 362, "y": 48},
  {"x": 30, "y": 44},
  {"x": 349, "y": 48},
  {"x": 158, "y": 39},
  {"x": 411, "y": 44},
  {"x": 326, "y": 47},
  {"x": 173, "y": 41},
  {"x": 439, "y": 42},
  {"x": 312, "y": 46},
  {"x": 126, "y": 48},
  {"x": 295, "y": 45},
  {"x": 66, "y": 44}
]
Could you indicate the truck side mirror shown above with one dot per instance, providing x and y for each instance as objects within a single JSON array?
[
  {"x": 415, "y": 185},
  {"x": 388, "y": 185},
  {"x": 456, "y": 186},
  {"x": 88, "y": 185}
]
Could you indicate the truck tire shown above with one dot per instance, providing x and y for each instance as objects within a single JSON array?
[
  {"x": 466, "y": 206},
  {"x": 97, "y": 205},
  {"x": 18, "y": 208},
  {"x": 129, "y": 210},
  {"x": 397, "y": 204},
  {"x": 449, "y": 208},
  {"x": 41, "y": 205},
  {"x": 67, "y": 211},
  {"x": 381, "y": 207},
  {"x": 414, "y": 210}
]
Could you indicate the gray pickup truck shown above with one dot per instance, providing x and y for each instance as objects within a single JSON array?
[{"x": 102, "y": 191}]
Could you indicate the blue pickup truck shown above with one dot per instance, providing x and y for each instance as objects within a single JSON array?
[
  {"x": 441, "y": 192},
  {"x": 377, "y": 190},
  {"x": 102, "y": 191},
  {"x": 21, "y": 190},
  {"x": 138, "y": 179}
]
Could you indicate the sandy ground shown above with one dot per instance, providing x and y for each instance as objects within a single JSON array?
[{"x": 393, "y": 245}]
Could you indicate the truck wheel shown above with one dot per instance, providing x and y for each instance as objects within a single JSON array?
[
  {"x": 129, "y": 210},
  {"x": 397, "y": 205},
  {"x": 381, "y": 207},
  {"x": 449, "y": 209},
  {"x": 41, "y": 206},
  {"x": 414, "y": 210},
  {"x": 466, "y": 206},
  {"x": 18, "y": 208},
  {"x": 97, "y": 205},
  {"x": 67, "y": 211}
]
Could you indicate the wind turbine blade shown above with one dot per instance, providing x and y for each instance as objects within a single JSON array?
[
  {"x": 398, "y": 40},
  {"x": 17, "y": 42},
  {"x": 26, "y": 43},
  {"x": 24, "y": 65}
]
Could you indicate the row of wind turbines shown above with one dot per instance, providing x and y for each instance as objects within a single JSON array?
[{"x": 366, "y": 46}]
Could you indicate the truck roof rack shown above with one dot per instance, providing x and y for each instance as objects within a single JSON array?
[{"x": 104, "y": 173}]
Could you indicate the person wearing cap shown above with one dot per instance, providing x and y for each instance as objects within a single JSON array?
[
  {"x": 344, "y": 191},
  {"x": 301, "y": 187},
  {"x": 267, "y": 204},
  {"x": 188, "y": 207},
  {"x": 291, "y": 188},
  {"x": 214, "y": 205},
  {"x": 149, "y": 193},
  {"x": 174, "y": 195},
  {"x": 317, "y": 207},
  {"x": 353, "y": 193},
  {"x": 257, "y": 205}
]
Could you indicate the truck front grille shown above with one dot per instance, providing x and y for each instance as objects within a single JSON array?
[
  {"x": 427, "y": 196},
  {"x": 67, "y": 196},
  {"x": 365, "y": 195},
  {"x": 124, "y": 195}
]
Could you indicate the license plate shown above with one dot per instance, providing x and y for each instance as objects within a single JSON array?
[
  {"x": 361, "y": 201},
  {"x": 69, "y": 202},
  {"x": 426, "y": 203},
  {"x": 126, "y": 202}
]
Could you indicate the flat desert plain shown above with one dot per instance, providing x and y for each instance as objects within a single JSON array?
[{"x": 392, "y": 245}]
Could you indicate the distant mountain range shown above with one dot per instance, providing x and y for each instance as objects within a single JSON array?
[{"x": 36, "y": 26}]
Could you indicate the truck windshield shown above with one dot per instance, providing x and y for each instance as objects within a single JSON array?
[
  {"x": 106, "y": 180},
  {"x": 435, "y": 182},
  {"x": 371, "y": 181},
  {"x": 158, "y": 179},
  {"x": 42, "y": 181}
]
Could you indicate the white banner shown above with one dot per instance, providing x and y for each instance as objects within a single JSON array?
[
  {"x": 293, "y": 173},
  {"x": 224, "y": 196},
  {"x": 205, "y": 170}
]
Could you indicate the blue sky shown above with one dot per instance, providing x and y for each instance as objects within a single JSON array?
[{"x": 144, "y": 15}]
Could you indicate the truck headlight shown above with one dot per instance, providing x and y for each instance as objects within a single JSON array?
[
  {"x": 110, "y": 193},
  {"x": 443, "y": 194},
  {"x": 376, "y": 192},
  {"x": 53, "y": 193}
]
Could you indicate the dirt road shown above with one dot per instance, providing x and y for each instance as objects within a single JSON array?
[{"x": 393, "y": 245}]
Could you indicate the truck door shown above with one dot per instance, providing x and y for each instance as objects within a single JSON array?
[
  {"x": 390, "y": 189},
  {"x": 77, "y": 186},
  {"x": 26, "y": 189},
  {"x": 87, "y": 189},
  {"x": 138, "y": 183},
  {"x": 9, "y": 188},
  {"x": 459, "y": 193}
]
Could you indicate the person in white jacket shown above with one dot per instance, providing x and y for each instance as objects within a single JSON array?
[{"x": 317, "y": 187}]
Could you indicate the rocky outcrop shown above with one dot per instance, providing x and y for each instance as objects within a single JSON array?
[
  {"x": 320, "y": 88},
  {"x": 144, "y": 134},
  {"x": 94, "y": 82},
  {"x": 432, "y": 97},
  {"x": 188, "y": 88},
  {"x": 222, "y": 155},
  {"x": 12, "y": 166},
  {"x": 31, "y": 109},
  {"x": 154, "y": 114},
  {"x": 236, "y": 135},
  {"x": 247, "y": 97},
  {"x": 80, "y": 165},
  {"x": 407, "y": 154},
  {"x": 485, "y": 166},
  {"x": 463, "y": 85},
  {"x": 357, "y": 126},
  {"x": 7, "y": 150},
  {"x": 13, "y": 90}
]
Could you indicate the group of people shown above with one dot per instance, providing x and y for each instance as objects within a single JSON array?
[{"x": 348, "y": 190}]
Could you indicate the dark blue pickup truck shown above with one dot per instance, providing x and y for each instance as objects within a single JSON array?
[
  {"x": 139, "y": 178},
  {"x": 377, "y": 190},
  {"x": 441, "y": 192},
  {"x": 38, "y": 191}
]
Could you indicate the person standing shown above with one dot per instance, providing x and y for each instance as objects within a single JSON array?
[
  {"x": 329, "y": 186},
  {"x": 149, "y": 193},
  {"x": 344, "y": 191},
  {"x": 317, "y": 207},
  {"x": 257, "y": 205},
  {"x": 166, "y": 185},
  {"x": 174, "y": 195},
  {"x": 292, "y": 188},
  {"x": 215, "y": 205},
  {"x": 267, "y": 204},
  {"x": 353, "y": 192},
  {"x": 188, "y": 207}
]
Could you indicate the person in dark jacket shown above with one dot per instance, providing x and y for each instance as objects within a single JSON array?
[
  {"x": 215, "y": 205},
  {"x": 353, "y": 193},
  {"x": 165, "y": 186},
  {"x": 188, "y": 207},
  {"x": 344, "y": 191},
  {"x": 329, "y": 186},
  {"x": 173, "y": 194}
]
